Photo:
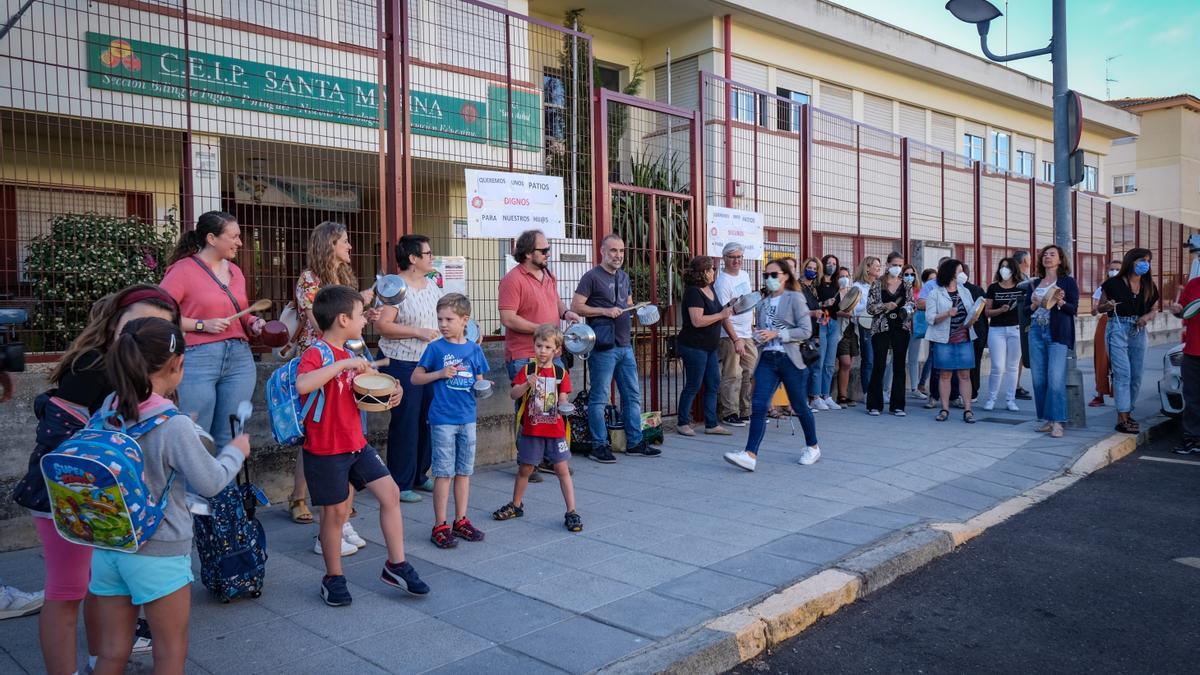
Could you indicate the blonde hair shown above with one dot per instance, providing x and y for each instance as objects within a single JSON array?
[
  {"x": 326, "y": 268},
  {"x": 455, "y": 302},
  {"x": 860, "y": 274},
  {"x": 548, "y": 332}
]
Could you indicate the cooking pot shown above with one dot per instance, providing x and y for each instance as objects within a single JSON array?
[
  {"x": 579, "y": 339},
  {"x": 390, "y": 289},
  {"x": 648, "y": 315},
  {"x": 745, "y": 303}
]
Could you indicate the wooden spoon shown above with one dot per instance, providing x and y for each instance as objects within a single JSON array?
[{"x": 258, "y": 306}]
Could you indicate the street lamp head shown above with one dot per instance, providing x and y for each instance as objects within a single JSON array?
[{"x": 978, "y": 12}]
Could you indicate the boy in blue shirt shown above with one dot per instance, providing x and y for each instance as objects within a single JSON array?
[{"x": 452, "y": 365}]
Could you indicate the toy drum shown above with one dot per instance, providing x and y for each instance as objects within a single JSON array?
[
  {"x": 373, "y": 390},
  {"x": 1192, "y": 309}
]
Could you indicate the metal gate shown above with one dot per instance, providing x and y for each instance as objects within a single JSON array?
[{"x": 648, "y": 191}]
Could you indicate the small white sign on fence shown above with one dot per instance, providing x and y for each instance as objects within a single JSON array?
[
  {"x": 744, "y": 227},
  {"x": 503, "y": 205}
]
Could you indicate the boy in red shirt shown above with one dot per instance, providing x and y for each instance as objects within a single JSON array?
[
  {"x": 542, "y": 431},
  {"x": 336, "y": 453}
]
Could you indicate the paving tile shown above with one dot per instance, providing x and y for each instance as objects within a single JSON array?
[
  {"x": 505, "y": 617},
  {"x": 652, "y": 615},
  {"x": 515, "y": 569},
  {"x": 497, "y": 661},
  {"x": 930, "y": 507},
  {"x": 881, "y": 490},
  {"x": 273, "y": 641},
  {"x": 925, "y": 470},
  {"x": 625, "y": 535},
  {"x": 846, "y": 531},
  {"x": 1021, "y": 469},
  {"x": 417, "y": 647},
  {"x": 809, "y": 549},
  {"x": 960, "y": 496},
  {"x": 577, "y": 552},
  {"x": 642, "y": 569},
  {"x": 765, "y": 567},
  {"x": 448, "y": 590},
  {"x": 373, "y": 611},
  {"x": 1033, "y": 457},
  {"x": 336, "y": 660},
  {"x": 994, "y": 475},
  {"x": 592, "y": 644},
  {"x": 712, "y": 589},
  {"x": 880, "y": 517},
  {"x": 983, "y": 487},
  {"x": 211, "y": 618},
  {"x": 578, "y": 590},
  {"x": 695, "y": 550}
]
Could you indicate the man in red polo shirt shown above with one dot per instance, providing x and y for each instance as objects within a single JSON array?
[{"x": 1190, "y": 369}]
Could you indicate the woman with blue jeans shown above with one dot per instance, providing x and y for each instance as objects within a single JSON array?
[
  {"x": 1053, "y": 299},
  {"x": 783, "y": 323},
  {"x": 1129, "y": 299},
  {"x": 703, "y": 317},
  {"x": 868, "y": 271}
]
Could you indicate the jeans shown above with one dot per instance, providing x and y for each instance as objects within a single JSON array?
[
  {"x": 1004, "y": 344},
  {"x": 1048, "y": 368},
  {"x": 866, "y": 359},
  {"x": 409, "y": 448},
  {"x": 618, "y": 362},
  {"x": 453, "y": 450},
  {"x": 736, "y": 378},
  {"x": 773, "y": 368},
  {"x": 700, "y": 366},
  {"x": 216, "y": 377},
  {"x": 1126, "y": 355},
  {"x": 895, "y": 341},
  {"x": 831, "y": 334}
]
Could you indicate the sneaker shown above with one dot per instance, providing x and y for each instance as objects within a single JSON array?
[
  {"x": 15, "y": 602},
  {"x": 403, "y": 575},
  {"x": 572, "y": 522},
  {"x": 818, "y": 404},
  {"x": 1023, "y": 395},
  {"x": 347, "y": 547},
  {"x": 717, "y": 431},
  {"x": 463, "y": 529},
  {"x": 733, "y": 421},
  {"x": 685, "y": 430},
  {"x": 873, "y": 413},
  {"x": 989, "y": 404},
  {"x": 958, "y": 402},
  {"x": 410, "y": 497},
  {"x": 142, "y": 642},
  {"x": 443, "y": 537},
  {"x": 547, "y": 467},
  {"x": 831, "y": 404},
  {"x": 427, "y": 486},
  {"x": 741, "y": 459},
  {"x": 1187, "y": 447},
  {"x": 1012, "y": 405},
  {"x": 744, "y": 419},
  {"x": 602, "y": 454},
  {"x": 810, "y": 455},
  {"x": 899, "y": 413},
  {"x": 351, "y": 537},
  {"x": 334, "y": 591},
  {"x": 930, "y": 404},
  {"x": 644, "y": 449}
]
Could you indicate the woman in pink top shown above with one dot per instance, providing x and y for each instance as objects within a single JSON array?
[{"x": 209, "y": 287}]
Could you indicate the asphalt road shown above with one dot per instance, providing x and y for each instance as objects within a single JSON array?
[{"x": 1086, "y": 581}]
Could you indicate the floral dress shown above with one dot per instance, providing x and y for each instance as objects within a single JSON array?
[{"x": 306, "y": 290}]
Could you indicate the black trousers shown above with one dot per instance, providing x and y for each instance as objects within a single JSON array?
[
  {"x": 897, "y": 341},
  {"x": 1190, "y": 374},
  {"x": 980, "y": 345}
]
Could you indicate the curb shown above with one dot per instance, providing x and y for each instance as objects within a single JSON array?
[{"x": 734, "y": 638}]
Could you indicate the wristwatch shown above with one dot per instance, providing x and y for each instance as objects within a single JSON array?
[{"x": 199, "y": 325}]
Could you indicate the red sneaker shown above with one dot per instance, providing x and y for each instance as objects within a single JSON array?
[
  {"x": 463, "y": 529},
  {"x": 443, "y": 537}
]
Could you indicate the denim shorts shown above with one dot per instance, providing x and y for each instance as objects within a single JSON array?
[
  {"x": 453, "y": 450},
  {"x": 329, "y": 477},
  {"x": 533, "y": 449},
  {"x": 144, "y": 578}
]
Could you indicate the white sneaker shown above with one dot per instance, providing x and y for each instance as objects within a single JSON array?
[
  {"x": 347, "y": 548},
  {"x": 15, "y": 602},
  {"x": 819, "y": 404},
  {"x": 989, "y": 404},
  {"x": 810, "y": 455},
  {"x": 741, "y": 459},
  {"x": 831, "y": 404},
  {"x": 1012, "y": 405},
  {"x": 351, "y": 537}
]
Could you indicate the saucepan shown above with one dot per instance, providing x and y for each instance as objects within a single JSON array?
[
  {"x": 390, "y": 289},
  {"x": 648, "y": 315},
  {"x": 745, "y": 303},
  {"x": 579, "y": 340},
  {"x": 483, "y": 389}
]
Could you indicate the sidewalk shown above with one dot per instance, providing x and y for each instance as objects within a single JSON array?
[{"x": 668, "y": 544}]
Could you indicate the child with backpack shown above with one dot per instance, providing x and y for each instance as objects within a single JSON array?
[
  {"x": 145, "y": 366},
  {"x": 336, "y": 453},
  {"x": 452, "y": 364},
  {"x": 542, "y": 430}
]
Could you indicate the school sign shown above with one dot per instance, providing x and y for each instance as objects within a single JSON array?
[{"x": 162, "y": 71}]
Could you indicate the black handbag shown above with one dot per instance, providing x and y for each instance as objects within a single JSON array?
[{"x": 810, "y": 351}]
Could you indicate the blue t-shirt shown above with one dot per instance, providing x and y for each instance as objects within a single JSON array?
[{"x": 453, "y": 398}]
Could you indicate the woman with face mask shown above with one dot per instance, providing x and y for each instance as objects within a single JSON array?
[
  {"x": 922, "y": 320},
  {"x": 828, "y": 296},
  {"x": 870, "y": 269},
  {"x": 1129, "y": 298},
  {"x": 1053, "y": 298},
  {"x": 1004, "y": 334},
  {"x": 946, "y": 310},
  {"x": 810, "y": 272},
  {"x": 1099, "y": 350},
  {"x": 912, "y": 360},
  {"x": 889, "y": 302},
  {"x": 847, "y": 348}
]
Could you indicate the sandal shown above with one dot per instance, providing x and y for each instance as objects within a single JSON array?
[
  {"x": 942, "y": 416},
  {"x": 508, "y": 512},
  {"x": 1127, "y": 427},
  {"x": 300, "y": 512},
  {"x": 1046, "y": 428},
  {"x": 573, "y": 522},
  {"x": 968, "y": 417},
  {"x": 1056, "y": 431}
]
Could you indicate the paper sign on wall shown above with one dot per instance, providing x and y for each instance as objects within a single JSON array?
[
  {"x": 503, "y": 205},
  {"x": 744, "y": 227},
  {"x": 450, "y": 273}
]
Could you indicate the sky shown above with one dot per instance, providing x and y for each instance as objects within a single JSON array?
[{"x": 1156, "y": 42}]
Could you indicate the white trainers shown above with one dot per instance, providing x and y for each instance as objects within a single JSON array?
[
  {"x": 831, "y": 404},
  {"x": 351, "y": 537},
  {"x": 347, "y": 548},
  {"x": 741, "y": 459},
  {"x": 819, "y": 404},
  {"x": 989, "y": 404},
  {"x": 1012, "y": 405},
  {"x": 810, "y": 455},
  {"x": 15, "y": 602}
]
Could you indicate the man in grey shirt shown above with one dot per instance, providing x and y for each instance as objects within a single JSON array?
[{"x": 601, "y": 298}]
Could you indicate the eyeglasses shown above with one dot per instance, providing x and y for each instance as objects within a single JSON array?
[
  {"x": 734, "y": 257},
  {"x": 771, "y": 275},
  {"x": 427, "y": 253},
  {"x": 543, "y": 251}
]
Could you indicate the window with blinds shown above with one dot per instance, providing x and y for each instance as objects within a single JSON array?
[
  {"x": 912, "y": 122},
  {"x": 685, "y": 83},
  {"x": 837, "y": 100},
  {"x": 943, "y": 136},
  {"x": 877, "y": 112},
  {"x": 295, "y": 16}
]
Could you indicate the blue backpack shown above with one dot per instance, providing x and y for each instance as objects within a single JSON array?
[
  {"x": 284, "y": 405},
  {"x": 96, "y": 486}
]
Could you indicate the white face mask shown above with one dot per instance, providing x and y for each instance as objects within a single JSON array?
[
  {"x": 1005, "y": 273},
  {"x": 1113, "y": 273},
  {"x": 961, "y": 278},
  {"x": 894, "y": 270},
  {"x": 773, "y": 284},
  {"x": 843, "y": 282}
]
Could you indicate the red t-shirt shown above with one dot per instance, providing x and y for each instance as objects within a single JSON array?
[
  {"x": 1191, "y": 327},
  {"x": 532, "y": 300},
  {"x": 541, "y": 407},
  {"x": 340, "y": 429}
]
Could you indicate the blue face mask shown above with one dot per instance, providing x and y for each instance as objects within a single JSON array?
[
  {"x": 810, "y": 274},
  {"x": 1141, "y": 267},
  {"x": 908, "y": 278}
]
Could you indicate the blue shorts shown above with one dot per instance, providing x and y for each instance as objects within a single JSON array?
[
  {"x": 144, "y": 578},
  {"x": 533, "y": 449},
  {"x": 453, "y": 450},
  {"x": 329, "y": 477}
]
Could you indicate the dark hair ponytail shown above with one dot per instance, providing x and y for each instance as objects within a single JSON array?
[
  {"x": 143, "y": 348},
  {"x": 192, "y": 241}
]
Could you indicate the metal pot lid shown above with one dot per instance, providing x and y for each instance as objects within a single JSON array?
[
  {"x": 745, "y": 303},
  {"x": 473, "y": 333},
  {"x": 390, "y": 289},
  {"x": 579, "y": 338}
]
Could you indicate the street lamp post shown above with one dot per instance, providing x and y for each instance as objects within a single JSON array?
[{"x": 981, "y": 13}]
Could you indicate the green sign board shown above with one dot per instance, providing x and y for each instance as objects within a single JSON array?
[{"x": 149, "y": 69}]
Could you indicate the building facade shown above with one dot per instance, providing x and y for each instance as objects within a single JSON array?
[{"x": 1158, "y": 170}]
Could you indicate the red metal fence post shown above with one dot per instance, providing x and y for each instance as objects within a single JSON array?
[
  {"x": 728, "y": 38},
  {"x": 904, "y": 198},
  {"x": 978, "y": 176},
  {"x": 806, "y": 178}
]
